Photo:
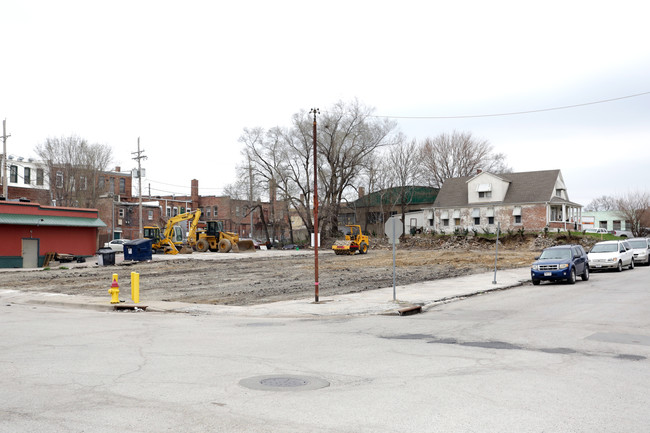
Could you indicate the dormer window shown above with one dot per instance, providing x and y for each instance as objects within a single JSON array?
[{"x": 484, "y": 190}]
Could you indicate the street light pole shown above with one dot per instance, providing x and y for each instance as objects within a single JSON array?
[{"x": 315, "y": 111}]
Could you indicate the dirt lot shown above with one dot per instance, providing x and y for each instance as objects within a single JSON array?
[{"x": 267, "y": 276}]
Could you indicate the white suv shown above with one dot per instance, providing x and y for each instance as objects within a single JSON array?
[{"x": 611, "y": 255}]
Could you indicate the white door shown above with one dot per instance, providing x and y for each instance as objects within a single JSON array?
[{"x": 30, "y": 253}]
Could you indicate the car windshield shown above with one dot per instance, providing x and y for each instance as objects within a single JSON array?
[
  {"x": 639, "y": 244},
  {"x": 605, "y": 248},
  {"x": 558, "y": 254}
]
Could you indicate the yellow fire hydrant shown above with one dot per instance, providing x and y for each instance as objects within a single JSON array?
[{"x": 114, "y": 291}]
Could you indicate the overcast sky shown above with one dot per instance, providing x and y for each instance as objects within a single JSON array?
[{"x": 187, "y": 77}]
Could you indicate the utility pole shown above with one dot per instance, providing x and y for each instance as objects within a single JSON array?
[
  {"x": 139, "y": 156},
  {"x": 250, "y": 193},
  {"x": 5, "y": 189},
  {"x": 315, "y": 111}
]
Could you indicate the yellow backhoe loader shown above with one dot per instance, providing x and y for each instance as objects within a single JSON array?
[
  {"x": 354, "y": 242},
  {"x": 214, "y": 238},
  {"x": 171, "y": 240}
]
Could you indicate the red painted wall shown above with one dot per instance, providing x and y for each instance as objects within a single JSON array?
[{"x": 79, "y": 241}]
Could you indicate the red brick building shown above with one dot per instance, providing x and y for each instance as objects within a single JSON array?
[{"x": 528, "y": 200}]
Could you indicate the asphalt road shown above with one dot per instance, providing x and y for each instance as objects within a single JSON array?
[{"x": 548, "y": 358}]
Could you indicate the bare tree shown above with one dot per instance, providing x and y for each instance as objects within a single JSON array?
[
  {"x": 74, "y": 167},
  {"x": 635, "y": 208},
  {"x": 347, "y": 140},
  {"x": 402, "y": 167},
  {"x": 602, "y": 203},
  {"x": 347, "y": 136},
  {"x": 458, "y": 154}
]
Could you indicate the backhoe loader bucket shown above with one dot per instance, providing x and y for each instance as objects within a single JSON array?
[{"x": 245, "y": 246}]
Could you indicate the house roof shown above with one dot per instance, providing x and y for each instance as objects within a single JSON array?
[
  {"x": 525, "y": 187},
  {"x": 416, "y": 195},
  {"x": 49, "y": 220}
]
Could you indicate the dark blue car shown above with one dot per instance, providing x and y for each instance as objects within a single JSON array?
[{"x": 564, "y": 262}]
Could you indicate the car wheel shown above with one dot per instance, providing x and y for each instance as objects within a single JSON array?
[
  {"x": 585, "y": 274},
  {"x": 619, "y": 266},
  {"x": 572, "y": 276},
  {"x": 631, "y": 264},
  {"x": 536, "y": 282}
]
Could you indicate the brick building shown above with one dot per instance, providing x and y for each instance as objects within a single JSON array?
[
  {"x": 528, "y": 200},
  {"x": 236, "y": 214},
  {"x": 373, "y": 210},
  {"x": 26, "y": 179}
]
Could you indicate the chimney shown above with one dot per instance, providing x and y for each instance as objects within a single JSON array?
[
  {"x": 117, "y": 169},
  {"x": 362, "y": 191},
  {"x": 195, "y": 193}
]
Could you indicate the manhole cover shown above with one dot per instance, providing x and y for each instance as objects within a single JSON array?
[{"x": 282, "y": 382}]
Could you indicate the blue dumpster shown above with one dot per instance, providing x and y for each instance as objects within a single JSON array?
[{"x": 138, "y": 250}]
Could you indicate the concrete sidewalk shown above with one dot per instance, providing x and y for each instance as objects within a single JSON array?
[{"x": 370, "y": 302}]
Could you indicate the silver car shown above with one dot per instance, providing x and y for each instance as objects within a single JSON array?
[
  {"x": 611, "y": 255},
  {"x": 117, "y": 245},
  {"x": 641, "y": 250}
]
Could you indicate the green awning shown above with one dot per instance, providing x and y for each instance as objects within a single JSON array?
[{"x": 48, "y": 220}]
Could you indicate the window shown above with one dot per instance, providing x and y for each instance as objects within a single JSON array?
[
  {"x": 168, "y": 212},
  {"x": 430, "y": 222},
  {"x": 182, "y": 209},
  {"x": 13, "y": 174},
  {"x": 215, "y": 211},
  {"x": 121, "y": 212},
  {"x": 516, "y": 212},
  {"x": 111, "y": 185},
  {"x": 39, "y": 176},
  {"x": 491, "y": 220},
  {"x": 616, "y": 225},
  {"x": 456, "y": 221},
  {"x": 175, "y": 211},
  {"x": 485, "y": 194},
  {"x": 150, "y": 215},
  {"x": 445, "y": 222},
  {"x": 59, "y": 179},
  {"x": 83, "y": 183},
  {"x": 122, "y": 186},
  {"x": 237, "y": 210},
  {"x": 375, "y": 217},
  {"x": 27, "y": 178},
  {"x": 476, "y": 214},
  {"x": 602, "y": 225},
  {"x": 207, "y": 212}
]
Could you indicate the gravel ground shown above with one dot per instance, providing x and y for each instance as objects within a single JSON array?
[{"x": 264, "y": 276}]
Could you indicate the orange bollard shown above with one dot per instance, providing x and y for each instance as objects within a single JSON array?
[{"x": 114, "y": 291}]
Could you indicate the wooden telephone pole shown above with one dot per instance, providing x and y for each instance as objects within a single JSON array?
[{"x": 139, "y": 156}]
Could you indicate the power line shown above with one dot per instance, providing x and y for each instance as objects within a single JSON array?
[{"x": 514, "y": 113}]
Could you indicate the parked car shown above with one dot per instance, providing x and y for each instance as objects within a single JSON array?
[
  {"x": 563, "y": 262},
  {"x": 598, "y": 230},
  {"x": 116, "y": 245},
  {"x": 611, "y": 255},
  {"x": 623, "y": 233},
  {"x": 641, "y": 250}
]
